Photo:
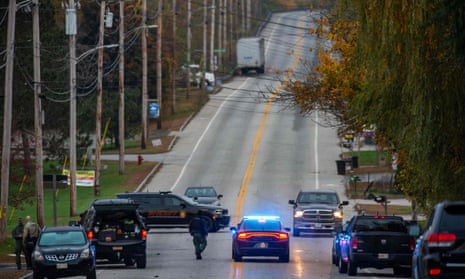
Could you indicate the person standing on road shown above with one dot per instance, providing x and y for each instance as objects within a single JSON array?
[
  {"x": 17, "y": 234},
  {"x": 30, "y": 235},
  {"x": 199, "y": 230}
]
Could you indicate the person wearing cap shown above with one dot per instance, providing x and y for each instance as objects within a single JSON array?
[{"x": 30, "y": 234}]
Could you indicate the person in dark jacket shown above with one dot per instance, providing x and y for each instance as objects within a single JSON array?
[
  {"x": 199, "y": 230},
  {"x": 17, "y": 234}
]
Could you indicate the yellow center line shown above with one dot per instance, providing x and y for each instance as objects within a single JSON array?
[{"x": 236, "y": 267}]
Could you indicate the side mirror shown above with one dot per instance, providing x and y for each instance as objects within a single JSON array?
[
  {"x": 292, "y": 202},
  {"x": 220, "y": 196}
]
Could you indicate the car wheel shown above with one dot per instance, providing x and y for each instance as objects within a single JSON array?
[
  {"x": 141, "y": 261},
  {"x": 401, "y": 271},
  {"x": 295, "y": 232},
  {"x": 129, "y": 261},
  {"x": 37, "y": 275},
  {"x": 351, "y": 268},
  {"x": 236, "y": 257},
  {"x": 92, "y": 274},
  {"x": 284, "y": 258},
  {"x": 342, "y": 265}
]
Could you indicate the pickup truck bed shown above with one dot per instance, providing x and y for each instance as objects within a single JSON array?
[{"x": 375, "y": 241}]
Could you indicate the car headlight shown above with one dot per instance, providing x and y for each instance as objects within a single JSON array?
[
  {"x": 37, "y": 256},
  {"x": 86, "y": 253},
  {"x": 298, "y": 213},
  {"x": 338, "y": 214}
]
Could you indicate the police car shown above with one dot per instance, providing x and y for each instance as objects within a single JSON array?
[
  {"x": 169, "y": 210},
  {"x": 260, "y": 236}
]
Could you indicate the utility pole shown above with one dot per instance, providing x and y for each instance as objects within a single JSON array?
[
  {"x": 121, "y": 88},
  {"x": 212, "y": 37},
  {"x": 204, "y": 57},
  {"x": 189, "y": 38},
  {"x": 98, "y": 116},
  {"x": 144, "y": 134},
  {"x": 224, "y": 17},
  {"x": 173, "y": 71},
  {"x": 71, "y": 29},
  {"x": 159, "y": 51},
  {"x": 7, "y": 117},
  {"x": 38, "y": 114},
  {"x": 249, "y": 15},
  {"x": 243, "y": 17}
]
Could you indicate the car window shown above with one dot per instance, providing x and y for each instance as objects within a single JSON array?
[
  {"x": 173, "y": 201},
  {"x": 375, "y": 224},
  {"x": 327, "y": 198},
  {"x": 62, "y": 238},
  {"x": 256, "y": 225},
  {"x": 452, "y": 219}
]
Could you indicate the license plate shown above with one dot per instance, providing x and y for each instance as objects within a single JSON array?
[
  {"x": 383, "y": 256},
  {"x": 62, "y": 265},
  {"x": 262, "y": 245},
  {"x": 318, "y": 225},
  {"x": 117, "y": 248}
]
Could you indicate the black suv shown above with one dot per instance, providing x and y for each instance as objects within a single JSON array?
[
  {"x": 118, "y": 231},
  {"x": 439, "y": 251},
  {"x": 169, "y": 210},
  {"x": 62, "y": 252},
  {"x": 317, "y": 211}
]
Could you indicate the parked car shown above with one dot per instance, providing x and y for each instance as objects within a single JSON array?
[
  {"x": 439, "y": 251},
  {"x": 63, "y": 251},
  {"x": 117, "y": 230},
  {"x": 203, "y": 194},
  {"x": 257, "y": 236},
  {"x": 169, "y": 210}
]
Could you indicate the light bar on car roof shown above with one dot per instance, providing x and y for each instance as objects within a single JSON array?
[{"x": 260, "y": 217}]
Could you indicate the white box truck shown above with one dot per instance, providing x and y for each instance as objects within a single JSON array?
[{"x": 251, "y": 54}]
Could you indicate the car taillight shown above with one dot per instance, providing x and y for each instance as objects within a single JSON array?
[
  {"x": 412, "y": 244},
  {"x": 283, "y": 236},
  {"x": 354, "y": 243},
  {"x": 277, "y": 235},
  {"x": 143, "y": 234},
  {"x": 242, "y": 236},
  {"x": 434, "y": 271},
  {"x": 441, "y": 239},
  {"x": 90, "y": 235}
]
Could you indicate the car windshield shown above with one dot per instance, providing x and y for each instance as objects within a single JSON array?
[
  {"x": 261, "y": 225},
  {"x": 325, "y": 198},
  {"x": 62, "y": 238},
  {"x": 201, "y": 192}
]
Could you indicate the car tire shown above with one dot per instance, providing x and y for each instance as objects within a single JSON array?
[
  {"x": 284, "y": 258},
  {"x": 92, "y": 274},
  {"x": 236, "y": 257},
  {"x": 37, "y": 275},
  {"x": 141, "y": 261},
  {"x": 295, "y": 232},
  {"x": 342, "y": 266},
  {"x": 351, "y": 268},
  {"x": 128, "y": 261},
  {"x": 401, "y": 271}
]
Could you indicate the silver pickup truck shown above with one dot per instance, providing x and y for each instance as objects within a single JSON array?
[{"x": 317, "y": 211}]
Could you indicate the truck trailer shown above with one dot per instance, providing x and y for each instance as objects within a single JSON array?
[{"x": 251, "y": 54}]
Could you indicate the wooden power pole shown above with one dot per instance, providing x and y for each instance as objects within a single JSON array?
[{"x": 7, "y": 117}]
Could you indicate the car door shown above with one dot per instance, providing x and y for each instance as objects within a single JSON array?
[{"x": 173, "y": 211}]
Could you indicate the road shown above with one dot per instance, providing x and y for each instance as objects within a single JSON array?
[{"x": 258, "y": 154}]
